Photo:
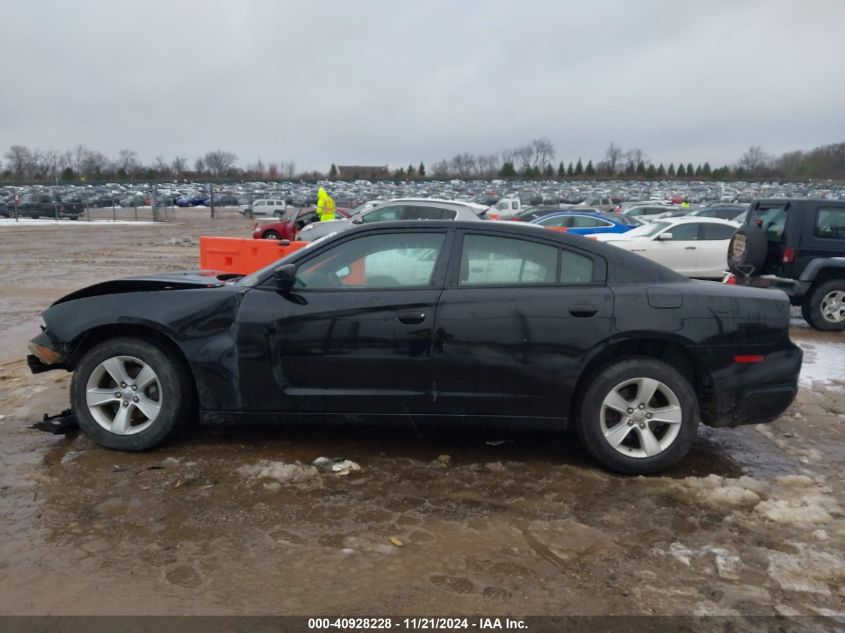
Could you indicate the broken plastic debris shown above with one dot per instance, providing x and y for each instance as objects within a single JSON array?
[
  {"x": 395, "y": 540},
  {"x": 336, "y": 465}
]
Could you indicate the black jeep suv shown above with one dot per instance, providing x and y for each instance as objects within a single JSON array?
[{"x": 799, "y": 247}]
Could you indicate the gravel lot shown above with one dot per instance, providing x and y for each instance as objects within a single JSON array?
[{"x": 237, "y": 521}]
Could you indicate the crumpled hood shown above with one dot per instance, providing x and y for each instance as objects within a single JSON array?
[{"x": 180, "y": 280}]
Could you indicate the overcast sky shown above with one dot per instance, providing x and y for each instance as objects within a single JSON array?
[{"x": 387, "y": 82}]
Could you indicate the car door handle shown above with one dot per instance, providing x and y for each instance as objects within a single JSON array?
[
  {"x": 689, "y": 248},
  {"x": 412, "y": 317},
  {"x": 582, "y": 310}
]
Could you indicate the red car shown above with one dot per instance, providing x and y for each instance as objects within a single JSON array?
[{"x": 290, "y": 224}]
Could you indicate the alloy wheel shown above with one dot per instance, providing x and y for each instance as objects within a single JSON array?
[
  {"x": 123, "y": 395},
  {"x": 641, "y": 417},
  {"x": 833, "y": 306}
]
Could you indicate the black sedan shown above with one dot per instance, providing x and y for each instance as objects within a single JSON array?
[{"x": 492, "y": 321}]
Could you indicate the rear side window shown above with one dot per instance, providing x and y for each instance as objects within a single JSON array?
[
  {"x": 717, "y": 232},
  {"x": 686, "y": 232},
  {"x": 772, "y": 220},
  {"x": 487, "y": 260},
  {"x": 580, "y": 221},
  {"x": 575, "y": 268},
  {"x": 422, "y": 213},
  {"x": 830, "y": 224}
]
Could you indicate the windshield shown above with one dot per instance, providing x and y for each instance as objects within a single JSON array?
[
  {"x": 253, "y": 278},
  {"x": 647, "y": 230}
]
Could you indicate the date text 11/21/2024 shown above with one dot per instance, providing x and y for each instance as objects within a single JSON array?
[{"x": 422, "y": 623}]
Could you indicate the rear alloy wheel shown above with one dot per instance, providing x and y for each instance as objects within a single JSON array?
[
  {"x": 272, "y": 235},
  {"x": 127, "y": 394},
  {"x": 824, "y": 307},
  {"x": 638, "y": 416}
]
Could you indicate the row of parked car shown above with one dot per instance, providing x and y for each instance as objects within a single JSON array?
[
  {"x": 246, "y": 195},
  {"x": 701, "y": 243}
]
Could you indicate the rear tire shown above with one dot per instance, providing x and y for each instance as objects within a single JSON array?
[
  {"x": 824, "y": 307},
  {"x": 271, "y": 235},
  {"x": 638, "y": 416},
  {"x": 130, "y": 395}
]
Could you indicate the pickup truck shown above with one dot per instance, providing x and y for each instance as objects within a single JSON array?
[{"x": 37, "y": 205}]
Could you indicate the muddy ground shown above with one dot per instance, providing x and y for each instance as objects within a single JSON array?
[{"x": 237, "y": 521}]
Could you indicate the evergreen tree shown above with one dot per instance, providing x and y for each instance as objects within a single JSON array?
[
  {"x": 411, "y": 171},
  {"x": 661, "y": 171},
  {"x": 507, "y": 170},
  {"x": 333, "y": 171},
  {"x": 570, "y": 170},
  {"x": 579, "y": 168},
  {"x": 641, "y": 170},
  {"x": 698, "y": 171},
  {"x": 590, "y": 171},
  {"x": 548, "y": 170},
  {"x": 689, "y": 170},
  {"x": 650, "y": 172},
  {"x": 399, "y": 174},
  {"x": 561, "y": 170},
  {"x": 671, "y": 171},
  {"x": 682, "y": 171},
  {"x": 706, "y": 171},
  {"x": 629, "y": 168},
  {"x": 421, "y": 170}
]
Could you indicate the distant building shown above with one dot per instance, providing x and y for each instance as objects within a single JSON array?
[{"x": 362, "y": 172}]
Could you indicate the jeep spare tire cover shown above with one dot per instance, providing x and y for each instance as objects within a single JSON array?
[{"x": 747, "y": 250}]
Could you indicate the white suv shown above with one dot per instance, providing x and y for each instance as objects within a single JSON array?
[{"x": 266, "y": 206}]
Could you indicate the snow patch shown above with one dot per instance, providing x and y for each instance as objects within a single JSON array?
[
  {"x": 824, "y": 362},
  {"x": 811, "y": 571}
]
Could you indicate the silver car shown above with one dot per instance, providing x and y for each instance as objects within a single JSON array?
[{"x": 398, "y": 209}]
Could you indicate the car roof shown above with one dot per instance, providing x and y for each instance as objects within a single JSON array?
[
  {"x": 696, "y": 218},
  {"x": 473, "y": 205}
]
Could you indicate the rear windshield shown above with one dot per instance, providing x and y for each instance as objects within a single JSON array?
[{"x": 772, "y": 220}]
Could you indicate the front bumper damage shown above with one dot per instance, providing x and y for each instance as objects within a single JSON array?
[{"x": 45, "y": 354}]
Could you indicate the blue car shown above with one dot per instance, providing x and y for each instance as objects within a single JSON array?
[{"x": 587, "y": 222}]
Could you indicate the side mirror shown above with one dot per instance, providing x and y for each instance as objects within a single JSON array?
[
  {"x": 285, "y": 276},
  {"x": 665, "y": 236},
  {"x": 358, "y": 219}
]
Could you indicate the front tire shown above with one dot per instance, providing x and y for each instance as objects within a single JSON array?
[
  {"x": 130, "y": 395},
  {"x": 272, "y": 235},
  {"x": 638, "y": 416},
  {"x": 824, "y": 307}
]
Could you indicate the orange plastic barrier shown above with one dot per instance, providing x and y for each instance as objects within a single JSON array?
[{"x": 242, "y": 255}]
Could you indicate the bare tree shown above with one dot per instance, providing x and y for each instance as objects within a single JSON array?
[
  {"x": 544, "y": 152},
  {"x": 92, "y": 162},
  {"x": 612, "y": 155},
  {"x": 507, "y": 156},
  {"x": 463, "y": 165},
  {"x": 127, "y": 160},
  {"x": 636, "y": 156},
  {"x": 288, "y": 169},
  {"x": 440, "y": 169},
  {"x": 179, "y": 165},
  {"x": 219, "y": 162},
  {"x": 161, "y": 167},
  {"x": 19, "y": 157},
  {"x": 199, "y": 165},
  {"x": 524, "y": 156},
  {"x": 754, "y": 159}
]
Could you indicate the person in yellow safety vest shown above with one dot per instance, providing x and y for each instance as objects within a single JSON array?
[
  {"x": 325, "y": 205},
  {"x": 685, "y": 205}
]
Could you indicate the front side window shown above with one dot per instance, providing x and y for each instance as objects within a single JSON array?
[
  {"x": 830, "y": 224},
  {"x": 391, "y": 260},
  {"x": 488, "y": 260}
]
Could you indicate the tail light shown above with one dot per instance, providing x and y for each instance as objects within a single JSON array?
[
  {"x": 729, "y": 279},
  {"x": 747, "y": 359},
  {"x": 788, "y": 255}
]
